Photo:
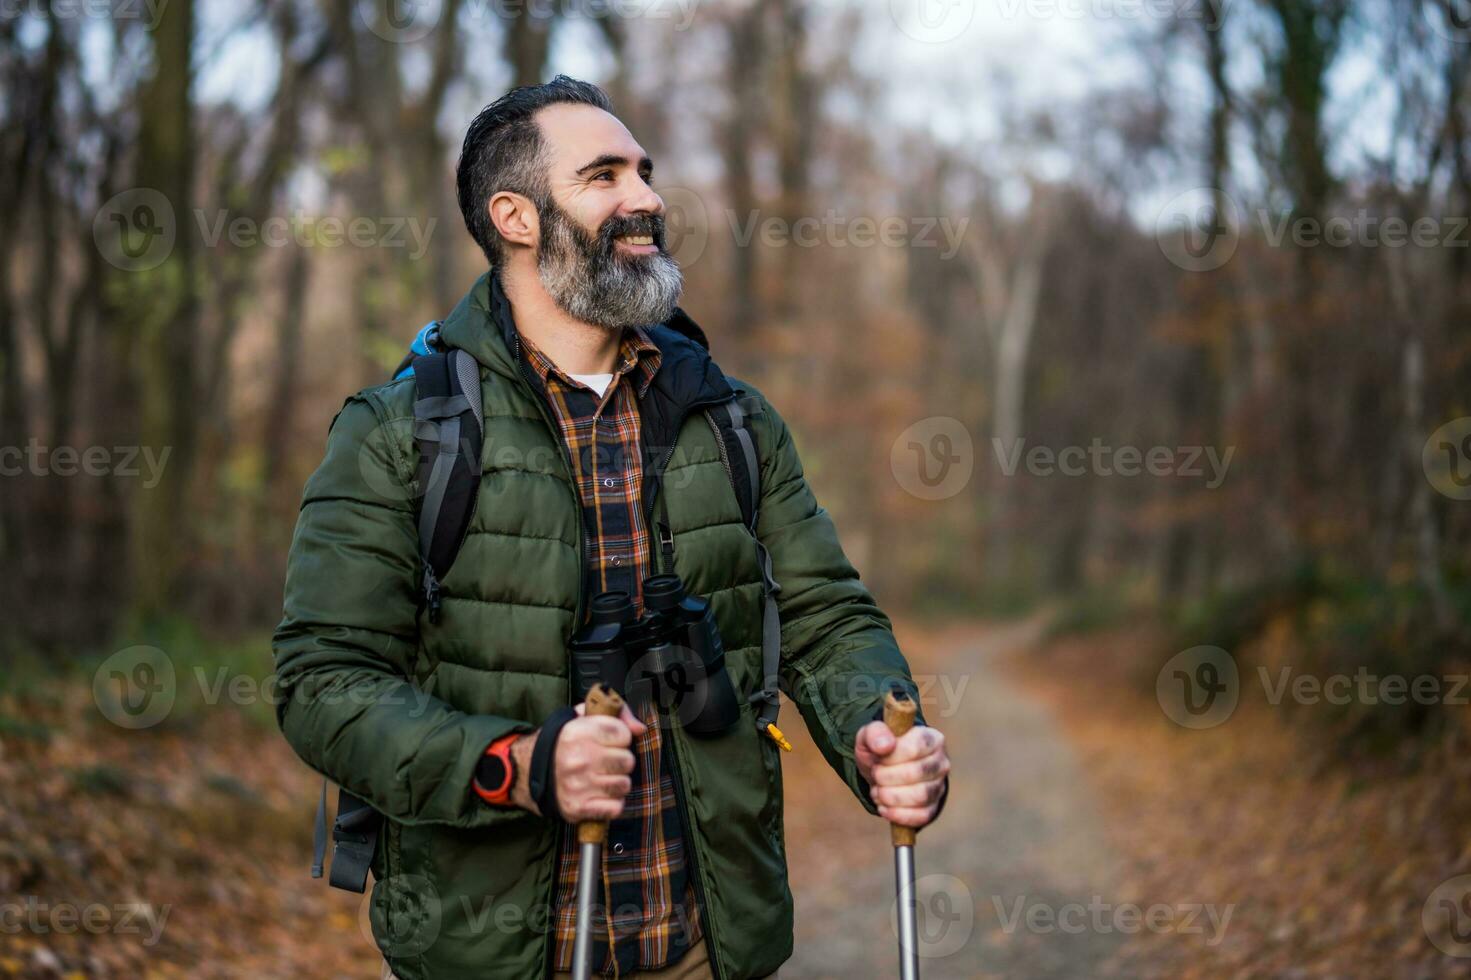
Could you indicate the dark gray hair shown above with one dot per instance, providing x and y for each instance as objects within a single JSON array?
[{"x": 503, "y": 152}]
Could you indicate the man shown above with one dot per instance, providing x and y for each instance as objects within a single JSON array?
[{"x": 599, "y": 468}]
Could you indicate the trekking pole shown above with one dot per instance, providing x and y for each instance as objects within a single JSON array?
[
  {"x": 899, "y": 712},
  {"x": 591, "y": 834}
]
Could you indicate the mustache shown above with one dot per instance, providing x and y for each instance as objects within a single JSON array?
[{"x": 631, "y": 224}]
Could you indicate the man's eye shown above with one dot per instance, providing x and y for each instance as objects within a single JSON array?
[{"x": 603, "y": 175}]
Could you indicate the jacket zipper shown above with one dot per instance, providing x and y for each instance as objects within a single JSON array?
[
  {"x": 549, "y": 952},
  {"x": 707, "y": 924},
  {"x": 720, "y": 448}
]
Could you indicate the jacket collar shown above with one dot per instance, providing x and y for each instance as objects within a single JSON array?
[{"x": 482, "y": 325}]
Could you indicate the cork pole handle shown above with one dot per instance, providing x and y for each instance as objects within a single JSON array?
[
  {"x": 602, "y": 701},
  {"x": 899, "y": 711}
]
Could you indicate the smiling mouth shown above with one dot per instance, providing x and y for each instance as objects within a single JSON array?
[{"x": 637, "y": 243}]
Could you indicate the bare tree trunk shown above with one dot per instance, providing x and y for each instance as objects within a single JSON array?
[
  {"x": 528, "y": 42},
  {"x": 1009, "y": 317},
  {"x": 746, "y": 50},
  {"x": 165, "y": 313}
]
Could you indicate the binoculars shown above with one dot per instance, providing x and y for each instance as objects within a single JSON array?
[{"x": 671, "y": 656}]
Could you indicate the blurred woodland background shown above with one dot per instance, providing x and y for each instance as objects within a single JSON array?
[{"x": 935, "y": 235}]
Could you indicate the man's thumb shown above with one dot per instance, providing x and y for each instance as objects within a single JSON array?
[
  {"x": 877, "y": 738},
  {"x": 631, "y": 720}
]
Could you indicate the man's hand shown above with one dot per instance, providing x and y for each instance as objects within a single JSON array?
[
  {"x": 906, "y": 775},
  {"x": 592, "y": 766}
]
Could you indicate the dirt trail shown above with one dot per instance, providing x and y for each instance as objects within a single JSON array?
[{"x": 1020, "y": 834}]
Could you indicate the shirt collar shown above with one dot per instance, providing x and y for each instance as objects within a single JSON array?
[{"x": 636, "y": 353}]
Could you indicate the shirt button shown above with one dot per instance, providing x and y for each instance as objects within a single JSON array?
[
  {"x": 617, "y": 848},
  {"x": 616, "y": 561},
  {"x": 610, "y": 482}
]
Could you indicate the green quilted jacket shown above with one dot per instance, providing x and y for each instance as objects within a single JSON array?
[{"x": 398, "y": 709}]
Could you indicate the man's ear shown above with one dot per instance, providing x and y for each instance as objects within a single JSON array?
[{"x": 515, "y": 217}]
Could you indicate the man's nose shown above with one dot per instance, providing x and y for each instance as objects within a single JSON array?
[{"x": 644, "y": 201}]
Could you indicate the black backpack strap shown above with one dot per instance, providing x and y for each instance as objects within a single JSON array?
[
  {"x": 449, "y": 430},
  {"x": 354, "y": 839},
  {"x": 744, "y": 466}
]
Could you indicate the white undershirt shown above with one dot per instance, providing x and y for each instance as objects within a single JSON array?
[{"x": 597, "y": 382}]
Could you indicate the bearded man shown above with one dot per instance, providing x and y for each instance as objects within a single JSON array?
[{"x": 599, "y": 467}]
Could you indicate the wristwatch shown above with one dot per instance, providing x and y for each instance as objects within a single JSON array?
[{"x": 495, "y": 773}]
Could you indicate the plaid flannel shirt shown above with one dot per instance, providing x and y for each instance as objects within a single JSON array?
[{"x": 647, "y": 882}]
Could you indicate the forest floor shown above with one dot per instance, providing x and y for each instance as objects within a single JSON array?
[{"x": 1086, "y": 836}]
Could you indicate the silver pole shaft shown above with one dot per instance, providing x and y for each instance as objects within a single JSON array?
[
  {"x": 589, "y": 874},
  {"x": 908, "y": 927}
]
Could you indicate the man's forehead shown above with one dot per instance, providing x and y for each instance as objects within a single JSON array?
[{"x": 575, "y": 135}]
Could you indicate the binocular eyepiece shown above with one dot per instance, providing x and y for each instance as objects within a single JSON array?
[{"x": 670, "y": 656}]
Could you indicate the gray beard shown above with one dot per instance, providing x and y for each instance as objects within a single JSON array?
[{"x": 587, "y": 278}]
